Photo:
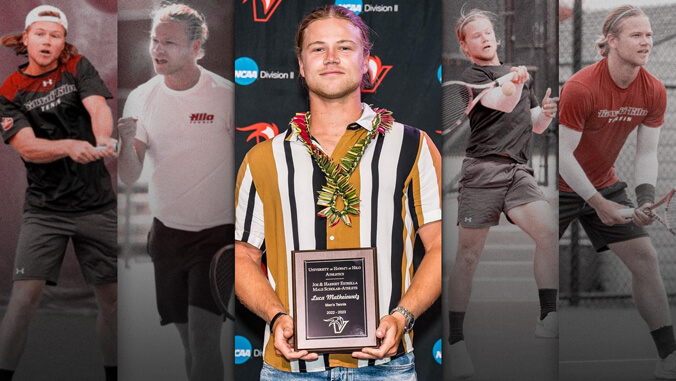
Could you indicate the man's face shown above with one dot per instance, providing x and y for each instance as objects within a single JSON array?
[
  {"x": 634, "y": 42},
  {"x": 45, "y": 41},
  {"x": 332, "y": 58},
  {"x": 480, "y": 44},
  {"x": 170, "y": 49}
]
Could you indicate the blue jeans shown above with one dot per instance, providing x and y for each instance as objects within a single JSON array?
[{"x": 400, "y": 369}]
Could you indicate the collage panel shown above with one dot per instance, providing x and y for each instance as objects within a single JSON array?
[
  {"x": 176, "y": 186},
  {"x": 56, "y": 77},
  {"x": 499, "y": 108},
  {"x": 278, "y": 183},
  {"x": 617, "y": 282}
]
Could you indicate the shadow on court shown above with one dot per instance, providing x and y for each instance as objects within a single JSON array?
[
  {"x": 605, "y": 344},
  {"x": 501, "y": 341},
  {"x": 61, "y": 347}
]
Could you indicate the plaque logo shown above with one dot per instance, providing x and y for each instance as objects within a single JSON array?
[{"x": 338, "y": 324}]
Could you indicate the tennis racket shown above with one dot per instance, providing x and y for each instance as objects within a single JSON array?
[
  {"x": 222, "y": 277},
  {"x": 667, "y": 218},
  {"x": 458, "y": 100}
]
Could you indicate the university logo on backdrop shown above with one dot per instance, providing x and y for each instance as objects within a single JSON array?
[
  {"x": 263, "y": 9},
  {"x": 377, "y": 72},
  {"x": 260, "y": 131}
]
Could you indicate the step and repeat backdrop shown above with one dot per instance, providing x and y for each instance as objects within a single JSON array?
[{"x": 405, "y": 68}]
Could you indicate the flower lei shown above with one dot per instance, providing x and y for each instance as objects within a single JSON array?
[{"x": 337, "y": 176}]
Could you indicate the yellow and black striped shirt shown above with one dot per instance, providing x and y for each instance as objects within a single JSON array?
[{"x": 398, "y": 181}]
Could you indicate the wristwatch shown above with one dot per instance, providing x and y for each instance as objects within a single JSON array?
[{"x": 410, "y": 319}]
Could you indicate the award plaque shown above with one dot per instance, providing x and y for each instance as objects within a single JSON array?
[{"x": 335, "y": 299}]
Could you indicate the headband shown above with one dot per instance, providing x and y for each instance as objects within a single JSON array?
[{"x": 619, "y": 17}]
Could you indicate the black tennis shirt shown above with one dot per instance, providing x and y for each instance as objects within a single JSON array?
[{"x": 51, "y": 104}]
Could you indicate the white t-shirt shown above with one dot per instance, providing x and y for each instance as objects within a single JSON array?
[{"x": 190, "y": 146}]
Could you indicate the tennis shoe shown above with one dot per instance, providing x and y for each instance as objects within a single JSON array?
[
  {"x": 461, "y": 363},
  {"x": 548, "y": 328},
  {"x": 665, "y": 369}
]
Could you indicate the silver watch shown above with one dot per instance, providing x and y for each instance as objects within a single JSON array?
[{"x": 410, "y": 319}]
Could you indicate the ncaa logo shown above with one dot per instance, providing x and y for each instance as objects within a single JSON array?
[
  {"x": 246, "y": 71},
  {"x": 242, "y": 350},
  {"x": 436, "y": 351},
  {"x": 263, "y": 9},
  {"x": 377, "y": 72},
  {"x": 355, "y": 6}
]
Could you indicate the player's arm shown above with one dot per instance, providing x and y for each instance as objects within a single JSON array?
[
  {"x": 424, "y": 290},
  {"x": 571, "y": 171},
  {"x": 645, "y": 170},
  {"x": 102, "y": 124},
  {"x": 132, "y": 151},
  {"x": 496, "y": 100},
  {"x": 542, "y": 116},
  {"x": 38, "y": 150},
  {"x": 254, "y": 291}
]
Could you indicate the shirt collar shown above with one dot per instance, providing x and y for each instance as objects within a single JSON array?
[{"x": 365, "y": 121}]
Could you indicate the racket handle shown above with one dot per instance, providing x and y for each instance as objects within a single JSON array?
[
  {"x": 505, "y": 78},
  {"x": 627, "y": 213}
]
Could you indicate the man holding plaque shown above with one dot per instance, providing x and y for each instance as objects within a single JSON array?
[{"x": 322, "y": 199}]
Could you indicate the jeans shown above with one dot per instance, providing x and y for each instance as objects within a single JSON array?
[{"x": 400, "y": 369}]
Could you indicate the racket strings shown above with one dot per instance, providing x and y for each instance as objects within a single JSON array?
[{"x": 455, "y": 98}]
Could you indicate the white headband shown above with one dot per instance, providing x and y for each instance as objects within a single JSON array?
[{"x": 34, "y": 16}]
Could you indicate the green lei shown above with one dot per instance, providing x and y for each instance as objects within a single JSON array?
[{"x": 337, "y": 176}]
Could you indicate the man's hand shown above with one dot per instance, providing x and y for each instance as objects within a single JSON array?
[
  {"x": 520, "y": 74},
  {"x": 390, "y": 329},
  {"x": 82, "y": 152},
  {"x": 640, "y": 218},
  {"x": 608, "y": 211},
  {"x": 126, "y": 128},
  {"x": 106, "y": 146},
  {"x": 549, "y": 105},
  {"x": 283, "y": 333}
]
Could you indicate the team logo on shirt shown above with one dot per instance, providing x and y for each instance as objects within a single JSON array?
[
  {"x": 260, "y": 131},
  {"x": 201, "y": 118},
  {"x": 624, "y": 114},
  {"x": 263, "y": 9},
  {"x": 377, "y": 72},
  {"x": 7, "y": 123}
]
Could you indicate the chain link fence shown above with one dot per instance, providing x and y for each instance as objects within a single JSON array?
[{"x": 600, "y": 278}]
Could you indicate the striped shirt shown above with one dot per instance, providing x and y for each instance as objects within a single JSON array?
[{"x": 398, "y": 181}]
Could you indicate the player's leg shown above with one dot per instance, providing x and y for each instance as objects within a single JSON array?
[
  {"x": 95, "y": 244},
  {"x": 651, "y": 299},
  {"x": 39, "y": 254},
  {"x": 166, "y": 249},
  {"x": 184, "y": 333},
  {"x": 205, "y": 344},
  {"x": 471, "y": 242},
  {"x": 14, "y": 327},
  {"x": 205, "y": 319},
  {"x": 106, "y": 326},
  {"x": 537, "y": 220}
]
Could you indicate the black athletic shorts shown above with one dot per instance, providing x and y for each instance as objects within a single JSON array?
[
  {"x": 492, "y": 185},
  {"x": 44, "y": 237},
  {"x": 181, "y": 260},
  {"x": 572, "y": 206}
]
